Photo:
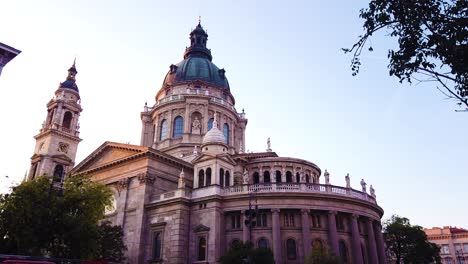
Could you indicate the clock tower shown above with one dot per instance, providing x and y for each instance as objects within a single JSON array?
[{"x": 57, "y": 141}]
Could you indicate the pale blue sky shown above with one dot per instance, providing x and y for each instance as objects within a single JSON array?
[{"x": 285, "y": 67}]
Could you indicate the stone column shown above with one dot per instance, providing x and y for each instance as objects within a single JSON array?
[
  {"x": 306, "y": 231},
  {"x": 371, "y": 238},
  {"x": 332, "y": 234},
  {"x": 380, "y": 243},
  {"x": 356, "y": 242},
  {"x": 276, "y": 235},
  {"x": 245, "y": 228}
]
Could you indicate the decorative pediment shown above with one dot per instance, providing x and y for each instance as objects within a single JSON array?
[
  {"x": 201, "y": 228},
  {"x": 224, "y": 157},
  {"x": 107, "y": 153}
]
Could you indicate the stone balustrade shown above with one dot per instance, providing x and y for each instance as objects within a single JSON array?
[{"x": 266, "y": 188}]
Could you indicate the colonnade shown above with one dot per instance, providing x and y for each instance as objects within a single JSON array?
[{"x": 375, "y": 246}]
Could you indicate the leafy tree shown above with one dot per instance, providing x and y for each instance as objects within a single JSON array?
[
  {"x": 407, "y": 243},
  {"x": 39, "y": 219},
  {"x": 321, "y": 255},
  {"x": 244, "y": 253},
  {"x": 110, "y": 243},
  {"x": 432, "y": 37}
]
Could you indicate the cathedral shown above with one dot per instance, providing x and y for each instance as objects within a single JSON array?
[{"x": 189, "y": 191}]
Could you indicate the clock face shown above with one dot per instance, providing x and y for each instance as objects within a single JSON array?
[
  {"x": 63, "y": 147},
  {"x": 42, "y": 146}
]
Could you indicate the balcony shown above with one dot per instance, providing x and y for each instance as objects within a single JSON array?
[{"x": 266, "y": 188}]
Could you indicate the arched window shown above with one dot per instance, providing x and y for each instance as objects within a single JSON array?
[
  {"x": 226, "y": 132},
  {"x": 58, "y": 173},
  {"x": 291, "y": 249},
  {"x": 288, "y": 176},
  {"x": 157, "y": 246},
  {"x": 208, "y": 176},
  {"x": 67, "y": 118},
  {"x": 343, "y": 252},
  {"x": 298, "y": 177},
  {"x": 256, "y": 178},
  {"x": 210, "y": 124},
  {"x": 178, "y": 127},
  {"x": 266, "y": 177},
  {"x": 163, "y": 130},
  {"x": 202, "y": 248},
  {"x": 278, "y": 176},
  {"x": 317, "y": 246},
  {"x": 227, "y": 182},
  {"x": 201, "y": 178},
  {"x": 262, "y": 243},
  {"x": 307, "y": 178},
  {"x": 33, "y": 175},
  {"x": 221, "y": 177}
]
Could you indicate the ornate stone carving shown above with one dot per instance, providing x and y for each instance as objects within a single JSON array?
[
  {"x": 327, "y": 177},
  {"x": 348, "y": 183},
  {"x": 196, "y": 129},
  {"x": 122, "y": 184},
  {"x": 363, "y": 184},
  {"x": 145, "y": 178},
  {"x": 305, "y": 211},
  {"x": 275, "y": 210}
]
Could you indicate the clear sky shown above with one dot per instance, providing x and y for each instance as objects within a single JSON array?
[{"x": 285, "y": 67}]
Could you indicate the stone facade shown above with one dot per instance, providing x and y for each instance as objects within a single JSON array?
[
  {"x": 453, "y": 243},
  {"x": 183, "y": 195}
]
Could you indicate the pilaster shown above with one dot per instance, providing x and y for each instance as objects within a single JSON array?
[{"x": 276, "y": 235}]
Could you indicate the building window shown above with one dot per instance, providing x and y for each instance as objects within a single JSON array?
[
  {"x": 221, "y": 177},
  {"x": 317, "y": 245},
  {"x": 289, "y": 220},
  {"x": 307, "y": 178},
  {"x": 316, "y": 221},
  {"x": 210, "y": 124},
  {"x": 256, "y": 178},
  {"x": 445, "y": 249},
  {"x": 339, "y": 222},
  {"x": 343, "y": 252},
  {"x": 58, "y": 173},
  {"x": 226, "y": 132},
  {"x": 448, "y": 260},
  {"x": 178, "y": 127},
  {"x": 298, "y": 177},
  {"x": 262, "y": 243},
  {"x": 157, "y": 246},
  {"x": 201, "y": 178},
  {"x": 201, "y": 248},
  {"x": 266, "y": 177},
  {"x": 235, "y": 221},
  {"x": 262, "y": 219},
  {"x": 291, "y": 249},
  {"x": 227, "y": 182},
  {"x": 278, "y": 176},
  {"x": 208, "y": 177},
  {"x": 163, "y": 130},
  {"x": 67, "y": 118},
  {"x": 288, "y": 176}
]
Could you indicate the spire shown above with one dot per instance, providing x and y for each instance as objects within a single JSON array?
[
  {"x": 70, "y": 82},
  {"x": 198, "y": 39}
]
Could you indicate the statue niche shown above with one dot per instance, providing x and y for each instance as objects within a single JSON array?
[{"x": 196, "y": 123}]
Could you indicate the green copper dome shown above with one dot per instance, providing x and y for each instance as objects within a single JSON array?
[{"x": 197, "y": 64}]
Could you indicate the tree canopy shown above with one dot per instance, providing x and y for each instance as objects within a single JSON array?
[
  {"x": 406, "y": 243},
  {"x": 320, "y": 255},
  {"x": 432, "y": 40},
  {"x": 39, "y": 219}
]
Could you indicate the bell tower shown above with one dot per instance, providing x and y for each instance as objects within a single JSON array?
[{"x": 57, "y": 141}]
